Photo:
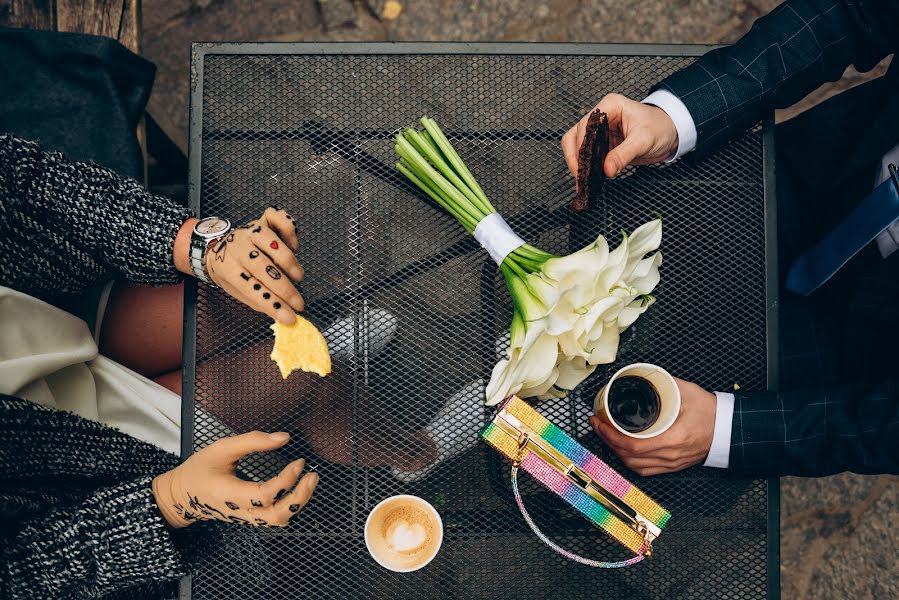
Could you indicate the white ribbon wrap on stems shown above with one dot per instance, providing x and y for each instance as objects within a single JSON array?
[{"x": 497, "y": 238}]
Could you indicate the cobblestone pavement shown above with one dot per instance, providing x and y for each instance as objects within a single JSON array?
[{"x": 838, "y": 537}]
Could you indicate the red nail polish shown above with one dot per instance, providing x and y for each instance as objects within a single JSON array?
[{"x": 274, "y": 245}]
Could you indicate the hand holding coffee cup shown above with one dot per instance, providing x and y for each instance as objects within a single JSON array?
[
  {"x": 403, "y": 533},
  {"x": 675, "y": 440}
]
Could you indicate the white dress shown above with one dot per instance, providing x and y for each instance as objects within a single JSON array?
[{"x": 51, "y": 358}]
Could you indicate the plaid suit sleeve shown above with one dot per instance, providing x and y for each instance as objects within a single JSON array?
[
  {"x": 787, "y": 54},
  {"x": 816, "y": 432}
]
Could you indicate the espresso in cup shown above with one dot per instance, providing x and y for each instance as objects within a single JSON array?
[
  {"x": 640, "y": 401},
  {"x": 634, "y": 403},
  {"x": 403, "y": 533}
]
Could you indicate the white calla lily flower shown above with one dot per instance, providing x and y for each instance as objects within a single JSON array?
[
  {"x": 571, "y": 270},
  {"x": 572, "y": 373},
  {"x": 523, "y": 370},
  {"x": 633, "y": 310},
  {"x": 645, "y": 239},
  {"x": 570, "y": 345},
  {"x": 541, "y": 388},
  {"x": 604, "y": 310},
  {"x": 604, "y": 349},
  {"x": 615, "y": 266},
  {"x": 645, "y": 275}
]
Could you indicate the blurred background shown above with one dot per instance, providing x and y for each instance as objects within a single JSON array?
[{"x": 837, "y": 532}]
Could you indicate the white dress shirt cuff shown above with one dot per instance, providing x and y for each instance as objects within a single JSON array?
[
  {"x": 683, "y": 121},
  {"x": 719, "y": 453}
]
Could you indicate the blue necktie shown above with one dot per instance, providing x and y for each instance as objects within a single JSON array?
[{"x": 875, "y": 213}]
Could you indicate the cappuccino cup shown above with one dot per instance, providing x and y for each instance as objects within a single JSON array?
[{"x": 403, "y": 533}]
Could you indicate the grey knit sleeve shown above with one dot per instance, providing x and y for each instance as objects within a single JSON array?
[
  {"x": 114, "y": 539},
  {"x": 65, "y": 226}
]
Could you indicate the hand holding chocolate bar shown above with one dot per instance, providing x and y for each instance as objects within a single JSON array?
[{"x": 639, "y": 134}]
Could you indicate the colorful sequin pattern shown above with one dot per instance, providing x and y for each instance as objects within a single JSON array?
[{"x": 588, "y": 462}]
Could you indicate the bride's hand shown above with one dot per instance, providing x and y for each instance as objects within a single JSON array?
[{"x": 205, "y": 486}]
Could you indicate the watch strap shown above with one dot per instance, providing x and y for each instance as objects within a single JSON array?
[{"x": 197, "y": 256}]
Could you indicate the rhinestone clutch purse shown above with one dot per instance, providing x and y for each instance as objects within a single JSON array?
[{"x": 580, "y": 478}]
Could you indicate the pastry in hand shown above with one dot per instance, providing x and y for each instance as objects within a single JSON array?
[{"x": 300, "y": 346}]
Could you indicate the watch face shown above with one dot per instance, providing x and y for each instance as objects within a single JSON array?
[{"x": 212, "y": 226}]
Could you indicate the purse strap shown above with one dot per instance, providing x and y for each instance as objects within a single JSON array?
[{"x": 556, "y": 548}]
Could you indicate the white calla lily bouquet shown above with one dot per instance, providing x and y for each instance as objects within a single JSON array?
[{"x": 569, "y": 311}]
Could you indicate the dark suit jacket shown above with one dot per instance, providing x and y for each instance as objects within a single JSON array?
[{"x": 851, "y": 424}]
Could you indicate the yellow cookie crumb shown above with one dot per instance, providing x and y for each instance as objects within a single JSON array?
[
  {"x": 300, "y": 347},
  {"x": 736, "y": 386}
]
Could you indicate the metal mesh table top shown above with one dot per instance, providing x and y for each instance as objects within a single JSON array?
[{"x": 418, "y": 311}]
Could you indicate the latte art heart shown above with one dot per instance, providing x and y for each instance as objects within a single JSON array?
[
  {"x": 406, "y": 537},
  {"x": 403, "y": 533}
]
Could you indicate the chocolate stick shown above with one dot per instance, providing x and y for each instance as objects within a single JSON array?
[{"x": 591, "y": 156}]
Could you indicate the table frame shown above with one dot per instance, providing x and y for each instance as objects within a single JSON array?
[{"x": 203, "y": 49}]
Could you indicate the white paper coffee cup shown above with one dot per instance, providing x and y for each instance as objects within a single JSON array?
[
  {"x": 665, "y": 387},
  {"x": 392, "y": 542}
]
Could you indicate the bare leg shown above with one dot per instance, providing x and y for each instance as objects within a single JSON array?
[
  {"x": 143, "y": 330},
  {"x": 322, "y": 412}
]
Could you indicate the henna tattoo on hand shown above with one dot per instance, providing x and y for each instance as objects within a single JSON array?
[
  {"x": 205, "y": 509},
  {"x": 230, "y": 237},
  {"x": 256, "y": 502},
  {"x": 274, "y": 245},
  {"x": 280, "y": 494},
  {"x": 244, "y": 276},
  {"x": 231, "y": 505},
  {"x": 295, "y": 508},
  {"x": 266, "y": 295},
  {"x": 248, "y": 225},
  {"x": 277, "y": 305},
  {"x": 273, "y": 272},
  {"x": 258, "y": 229},
  {"x": 256, "y": 286},
  {"x": 238, "y": 520},
  {"x": 262, "y": 522},
  {"x": 254, "y": 253},
  {"x": 220, "y": 250}
]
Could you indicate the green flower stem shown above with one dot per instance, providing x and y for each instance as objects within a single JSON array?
[
  {"x": 434, "y": 156},
  {"x": 427, "y": 173},
  {"x": 526, "y": 264},
  {"x": 446, "y": 148},
  {"x": 436, "y": 194},
  {"x": 510, "y": 277},
  {"x": 437, "y": 134},
  {"x": 464, "y": 219},
  {"x": 429, "y": 160},
  {"x": 528, "y": 306},
  {"x": 530, "y": 258},
  {"x": 514, "y": 268},
  {"x": 533, "y": 253}
]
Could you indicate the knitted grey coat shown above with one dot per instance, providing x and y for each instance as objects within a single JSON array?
[{"x": 77, "y": 516}]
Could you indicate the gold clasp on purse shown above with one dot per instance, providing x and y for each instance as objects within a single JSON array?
[
  {"x": 522, "y": 445},
  {"x": 641, "y": 528}
]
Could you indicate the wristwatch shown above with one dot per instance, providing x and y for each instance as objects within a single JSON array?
[{"x": 205, "y": 232}]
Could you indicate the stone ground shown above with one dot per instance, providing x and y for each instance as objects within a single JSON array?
[{"x": 837, "y": 539}]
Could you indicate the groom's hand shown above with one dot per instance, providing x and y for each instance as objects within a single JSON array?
[
  {"x": 686, "y": 443},
  {"x": 640, "y": 134}
]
